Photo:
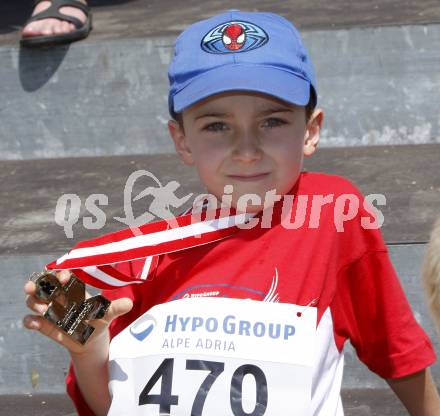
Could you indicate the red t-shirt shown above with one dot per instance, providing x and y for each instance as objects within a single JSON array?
[{"x": 307, "y": 253}]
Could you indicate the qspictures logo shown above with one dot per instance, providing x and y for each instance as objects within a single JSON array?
[{"x": 297, "y": 210}]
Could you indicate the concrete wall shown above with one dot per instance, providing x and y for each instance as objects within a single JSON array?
[
  {"x": 377, "y": 85},
  {"x": 22, "y": 351}
]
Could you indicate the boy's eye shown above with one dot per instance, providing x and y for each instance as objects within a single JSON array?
[
  {"x": 216, "y": 126},
  {"x": 219, "y": 126},
  {"x": 273, "y": 122}
]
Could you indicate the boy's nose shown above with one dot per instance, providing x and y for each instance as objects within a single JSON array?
[{"x": 246, "y": 149}]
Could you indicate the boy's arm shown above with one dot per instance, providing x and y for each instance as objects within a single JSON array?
[
  {"x": 418, "y": 393},
  {"x": 91, "y": 373}
]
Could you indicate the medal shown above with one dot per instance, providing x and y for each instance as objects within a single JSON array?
[
  {"x": 94, "y": 263},
  {"x": 68, "y": 308}
]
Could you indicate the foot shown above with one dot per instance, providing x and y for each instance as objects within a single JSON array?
[{"x": 48, "y": 27}]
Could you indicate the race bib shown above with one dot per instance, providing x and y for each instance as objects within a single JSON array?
[{"x": 214, "y": 357}]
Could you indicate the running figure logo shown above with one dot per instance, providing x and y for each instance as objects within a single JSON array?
[{"x": 164, "y": 198}]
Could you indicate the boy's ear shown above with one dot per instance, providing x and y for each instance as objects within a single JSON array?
[
  {"x": 313, "y": 130},
  {"x": 178, "y": 135}
]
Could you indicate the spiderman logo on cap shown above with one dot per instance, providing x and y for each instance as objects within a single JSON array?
[{"x": 233, "y": 37}]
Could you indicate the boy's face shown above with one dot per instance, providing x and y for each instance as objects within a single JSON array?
[{"x": 252, "y": 141}]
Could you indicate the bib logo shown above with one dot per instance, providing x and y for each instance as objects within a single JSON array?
[
  {"x": 143, "y": 327},
  {"x": 235, "y": 36},
  {"x": 226, "y": 290}
]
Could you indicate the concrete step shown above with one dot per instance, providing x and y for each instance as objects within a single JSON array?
[
  {"x": 114, "y": 19},
  {"x": 406, "y": 175},
  {"x": 81, "y": 119},
  {"x": 23, "y": 352},
  {"x": 366, "y": 402},
  {"x": 108, "y": 95},
  {"x": 30, "y": 238}
]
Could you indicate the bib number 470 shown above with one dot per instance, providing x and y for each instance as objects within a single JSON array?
[{"x": 166, "y": 399}]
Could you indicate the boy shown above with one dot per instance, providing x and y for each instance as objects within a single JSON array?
[
  {"x": 431, "y": 273},
  {"x": 259, "y": 319}
]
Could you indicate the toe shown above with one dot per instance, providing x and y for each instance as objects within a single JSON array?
[
  {"x": 46, "y": 30},
  {"x": 55, "y": 26},
  {"x": 67, "y": 27},
  {"x": 30, "y": 29},
  {"x": 58, "y": 28}
]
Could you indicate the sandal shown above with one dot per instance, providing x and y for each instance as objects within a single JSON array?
[{"x": 53, "y": 11}]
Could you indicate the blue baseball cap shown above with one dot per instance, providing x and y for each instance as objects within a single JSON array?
[{"x": 240, "y": 51}]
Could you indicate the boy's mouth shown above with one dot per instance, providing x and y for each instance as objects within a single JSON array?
[{"x": 249, "y": 177}]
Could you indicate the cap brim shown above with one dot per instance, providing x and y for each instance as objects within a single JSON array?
[{"x": 278, "y": 83}]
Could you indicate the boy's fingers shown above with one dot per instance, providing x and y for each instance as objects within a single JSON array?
[
  {"x": 39, "y": 323},
  {"x": 50, "y": 330},
  {"x": 117, "y": 308},
  {"x": 63, "y": 276},
  {"x": 29, "y": 288},
  {"x": 32, "y": 322},
  {"x": 33, "y": 304}
]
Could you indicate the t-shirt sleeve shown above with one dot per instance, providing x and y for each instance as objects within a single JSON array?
[{"x": 371, "y": 310}]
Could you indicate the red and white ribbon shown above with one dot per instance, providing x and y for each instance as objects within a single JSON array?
[{"x": 93, "y": 261}]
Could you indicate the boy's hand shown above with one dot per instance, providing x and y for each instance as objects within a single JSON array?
[{"x": 98, "y": 338}]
